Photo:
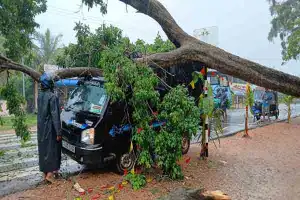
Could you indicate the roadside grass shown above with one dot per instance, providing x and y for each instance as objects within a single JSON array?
[
  {"x": 2, "y": 152},
  {"x": 31, "y": 120}
]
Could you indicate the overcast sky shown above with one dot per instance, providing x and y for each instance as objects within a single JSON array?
[{"x": 243, "y": 25}]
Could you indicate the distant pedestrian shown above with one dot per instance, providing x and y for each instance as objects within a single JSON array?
[{"x": 49, "y": 129}]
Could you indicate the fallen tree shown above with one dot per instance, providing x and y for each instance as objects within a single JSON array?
[
  {"x": 189, "y": 49},
  {"x": 7, "y": 64}
]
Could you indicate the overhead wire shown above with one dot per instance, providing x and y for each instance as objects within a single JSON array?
[{"x": 92, "y": 19}]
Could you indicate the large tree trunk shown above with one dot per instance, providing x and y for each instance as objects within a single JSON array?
[{"x": 189, "y": 49}]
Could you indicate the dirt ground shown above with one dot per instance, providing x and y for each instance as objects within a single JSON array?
[{"x": 265, "y": 166}]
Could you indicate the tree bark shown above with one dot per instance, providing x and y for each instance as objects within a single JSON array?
[
  {"x": 195, "y": 194},
  {"x": 77, "y": 72},
  {"x": 7, "y": 64}
]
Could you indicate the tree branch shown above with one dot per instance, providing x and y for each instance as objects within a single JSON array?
[
  {"x": 77, "y": 72},
  {"x": 7, "y": 64},
  {"x": 227, "y": 63}
]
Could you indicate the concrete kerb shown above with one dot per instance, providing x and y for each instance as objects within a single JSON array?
[
  {"x": 19, "y": 153},
  {"x": 17, "y": 140},
  {"x": 13, "y": 146}
]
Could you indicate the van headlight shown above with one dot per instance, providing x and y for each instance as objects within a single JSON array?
[{"x": 87, "y": 136}]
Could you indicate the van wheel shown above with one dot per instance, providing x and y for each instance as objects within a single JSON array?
[
  {"x": 125, "y": 161},
  {"x": 185, "y": 144}
]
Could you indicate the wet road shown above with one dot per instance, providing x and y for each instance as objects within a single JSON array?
[
  {"x": 19, "y": 165},
  {"x": 235, "y": 121},
  {"x": 236, "y": 118}
]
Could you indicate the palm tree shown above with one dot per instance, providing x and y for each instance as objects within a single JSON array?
[
  {"x": 47, "y": 46},
  {"x": 46, "y": 52}
]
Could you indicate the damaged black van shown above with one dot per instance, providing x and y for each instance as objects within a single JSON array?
[
  {"x": 93, "y": 128},
  {"x": 88, "y": 119}
]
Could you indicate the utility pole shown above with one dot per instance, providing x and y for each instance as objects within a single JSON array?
[
  {"x": 206, "y": 130},
  {"x": 210, "y": 36},
  {"x": 206, "y": 125},
  {"x": 23, "y": 80},
  {"x": 248, "y": 88}
]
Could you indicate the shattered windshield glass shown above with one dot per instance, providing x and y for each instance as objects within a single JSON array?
[{"x": 87, "y": 97}]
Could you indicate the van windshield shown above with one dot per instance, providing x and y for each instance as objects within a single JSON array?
[{"x": 87, "y": 97}]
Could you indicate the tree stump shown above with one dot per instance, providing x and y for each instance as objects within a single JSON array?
[{"x": 195, "y": 194}]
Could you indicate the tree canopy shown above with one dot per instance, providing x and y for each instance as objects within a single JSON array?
[
  {"x": 86, "y": 53},
  {"x": 286, "y": 26},
  {"x": 17, "y": 24}
]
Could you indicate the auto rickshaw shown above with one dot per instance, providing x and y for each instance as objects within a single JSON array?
[
  {"x": 258, "y": 103},
  {"x": 221, "y": 91}
]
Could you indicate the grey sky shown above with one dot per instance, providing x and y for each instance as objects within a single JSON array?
[{"x": 243, "y": 24}]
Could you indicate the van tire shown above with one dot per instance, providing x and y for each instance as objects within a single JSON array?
[{"x": 125, "y": 161}]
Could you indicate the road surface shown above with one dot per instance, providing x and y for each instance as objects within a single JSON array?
[{"x": 236, "y": 120}]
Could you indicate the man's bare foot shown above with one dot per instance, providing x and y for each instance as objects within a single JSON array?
[{"x": 49, "y": 177}]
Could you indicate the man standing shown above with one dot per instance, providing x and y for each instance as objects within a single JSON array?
[{"x": 48, "y": 129}]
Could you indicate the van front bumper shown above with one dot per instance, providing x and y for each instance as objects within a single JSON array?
[{"x": 89, "y": 155}]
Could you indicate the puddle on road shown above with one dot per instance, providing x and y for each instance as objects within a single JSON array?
[{"x": 33, "y": 179}]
